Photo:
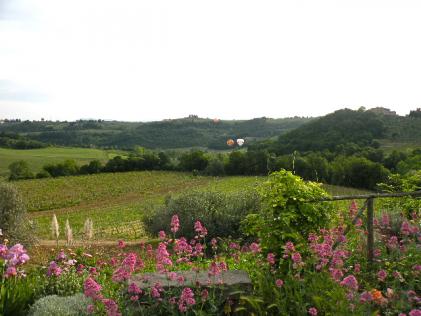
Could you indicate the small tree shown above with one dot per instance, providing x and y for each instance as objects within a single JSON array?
[
  {"x": 20, "y": 170},
  {"x": 14, "y": 223}
]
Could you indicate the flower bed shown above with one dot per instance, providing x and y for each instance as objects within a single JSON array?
[{"x": 328, "y": 275}]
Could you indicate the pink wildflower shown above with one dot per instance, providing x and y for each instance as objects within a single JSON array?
[
  {"x": 271, "y": 258},
  {"x": 312, "y": 311},
  {"x": 214, "y": 243},
  {"x": 296, "y": 257},
  {"x": 350, "y": 282},
  {"x": 255, "y": 248},
  {"x": 357, "y": 268},
  {"x": 279, "y": 283},
  {"x": 200, "y": 229},
  {"x": 10, "y": 272},
  {"x": 289, "y": 246},
  {"x": 134, "y": 289},
  {"x": 61, "y": 256},
  {"x": 175, "y": 224},
  {"x": 366, "y": 297},
  {"x": 204, "y": 295},
  {"x": 3, "y": 251},
  {"x": 54, "y": 269},
  {"x": 385, "y": 221},
  {"x": 162, "y": 235},
  {"x": 214, "y": 269},
  {"x": 415, "y": 312},
  {"x": 381, "y": 275},
  {"x": 92, "y": 289},
  {"x": 111, "y": 307},
  {"x": 186, "y": 299}
]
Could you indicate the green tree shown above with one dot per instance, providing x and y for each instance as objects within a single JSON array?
[
  {"x": 193, "y": 160},
  {"x": 286, "y": 214},
  {"x": 20, "y": 170}
]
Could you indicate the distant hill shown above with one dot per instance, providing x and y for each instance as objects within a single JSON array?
[
  {"x": 167, "y": 134},
  {"x": 347, "y": 126}
]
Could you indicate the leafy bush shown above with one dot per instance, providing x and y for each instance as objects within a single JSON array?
[
  {"x": 215, "y": 168},
  {"x": 65, "y": 284},
  {"x": 285, "y": 215},
  {"x": 193, "y": 160},
  {"x": 397, "y": 183},
  {"x": 13, "y": 220},
  {"x": 20, "y": 170},
  {"x": 220, "y": 213},
  {"x": 54, "y": 305}
]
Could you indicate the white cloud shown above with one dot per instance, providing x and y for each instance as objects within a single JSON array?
[{"x": 141, "y": 60}]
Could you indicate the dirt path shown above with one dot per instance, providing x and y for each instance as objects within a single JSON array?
[{"x": 79, "y": 243}]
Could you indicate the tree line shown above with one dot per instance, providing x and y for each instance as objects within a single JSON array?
[{"x": 348, "y": 165}]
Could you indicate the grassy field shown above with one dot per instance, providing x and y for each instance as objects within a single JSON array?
[
  {"x": 117, "y": 202},
  {"x": 36, "y": 158}
]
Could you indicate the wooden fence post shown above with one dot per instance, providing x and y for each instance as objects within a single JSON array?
[{"x": 370, "y": 230}]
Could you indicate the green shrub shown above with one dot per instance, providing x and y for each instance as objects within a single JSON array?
[
  {"x": 66, "y": 284},
  {"x": 215, "y": 168},
  {"x": 285, "y": 215},
  {"x": 220, "y": 213},
  {"x": 13, "y": 220},
  {"x": 54, "y": 305},
  {"x": 18, "y": 293},
  {"x": 20, "y": 170}
]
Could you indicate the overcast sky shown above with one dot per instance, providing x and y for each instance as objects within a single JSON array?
[{"x": 150, "y": 60}]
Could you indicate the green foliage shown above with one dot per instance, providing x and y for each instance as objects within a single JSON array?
[
  {"x": 66, "y": 284},
  {"x": 286, "y": 214},
  {"x": 66, "y": 168},
  {"x": 397, "y": 183},
  {"x": 20, "y": 170},
  {"x": 215, "y": 167},
  {"x": 220, "y": 213},
  {"x": 340, "y": 127},
  {"x": 54, "y": 305},
  {"x": 177, "y": 133},
  {"x": 193, "y": 160},
  {"x": 296, "y": 296},
  {"x": 16, "y": 141},
  {"x": 13, "y": 219},
  {"x": 357, "y": 172},
  {"x": 17, "y": 294}
]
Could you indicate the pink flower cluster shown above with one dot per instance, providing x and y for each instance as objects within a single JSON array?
[
  {"x": 186, "y": 299},
  {"x": 200, "y": 229},
  {"x": 93, "y": 290},
  {"x": 175, "y": 224},
  {"x": 127, "y": 267},
  {"x": 14, "y": 257}
]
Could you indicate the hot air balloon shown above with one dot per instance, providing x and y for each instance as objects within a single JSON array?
[
  {"x": 240, "y": 142},
  {"x": 216, "y": 120},
  {"x": 230, "y": 142}
]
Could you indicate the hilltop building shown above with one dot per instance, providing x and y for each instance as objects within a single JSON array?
[{"x": 383, "y": 111}]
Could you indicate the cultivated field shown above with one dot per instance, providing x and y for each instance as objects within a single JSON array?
[
  {"x": 116, "y": 202},
  {"x": 37, "y": 158}
]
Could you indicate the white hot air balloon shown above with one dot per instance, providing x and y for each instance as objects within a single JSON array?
[{"x": 240, "y": 142}]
